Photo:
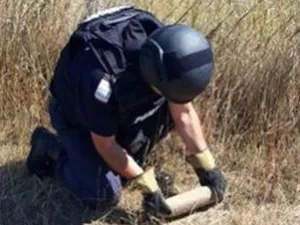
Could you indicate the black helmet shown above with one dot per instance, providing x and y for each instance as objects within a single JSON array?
[{"x": 178, "y": 61}]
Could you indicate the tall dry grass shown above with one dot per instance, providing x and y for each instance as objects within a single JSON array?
[{"x": 250, "y": 111}]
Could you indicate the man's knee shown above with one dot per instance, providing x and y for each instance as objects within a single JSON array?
[
  {"x": 105, "y": 202},
  {"x": 101, "y": 192}
]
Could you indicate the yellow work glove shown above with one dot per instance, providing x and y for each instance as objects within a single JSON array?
[
  {"x": 147, "y": 181},
  {"x": 204, "y": 160},
  {"x": 154, "y": 201},
  {"x": 208, "y": 173}
]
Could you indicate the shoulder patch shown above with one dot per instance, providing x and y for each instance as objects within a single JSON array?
[{"x": 103, "y": 91}]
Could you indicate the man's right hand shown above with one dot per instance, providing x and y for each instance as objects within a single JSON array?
[
  {"x": 154, "y": 201},
  {"x": 123, "y": 164}
]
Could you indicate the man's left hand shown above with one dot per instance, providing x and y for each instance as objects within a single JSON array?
[
  {"x": 215, "y": 180},
  {"x": 208, "y": 173}
]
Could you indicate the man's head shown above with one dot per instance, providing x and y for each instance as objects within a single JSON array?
[{"x": 177, "y": 61}]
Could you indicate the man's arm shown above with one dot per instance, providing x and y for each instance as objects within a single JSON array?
[
  {"x": 188, "y": 125},
  {"x": 122, "y": 163},
  {"x": 116, "y": 157}
]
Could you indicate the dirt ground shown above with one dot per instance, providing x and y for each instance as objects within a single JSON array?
[{"x": 27, "y": 200}]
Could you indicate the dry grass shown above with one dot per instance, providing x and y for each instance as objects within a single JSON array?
[{"x": 250, "y": 112}]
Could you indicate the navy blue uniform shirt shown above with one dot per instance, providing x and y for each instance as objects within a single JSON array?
[{"x": 134, "y": 113}]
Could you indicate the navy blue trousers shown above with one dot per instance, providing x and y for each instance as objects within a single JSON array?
[{"x": 79, "y": 166}]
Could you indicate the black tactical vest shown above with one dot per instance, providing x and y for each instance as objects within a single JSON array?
[{"x": 115, "y": 40}]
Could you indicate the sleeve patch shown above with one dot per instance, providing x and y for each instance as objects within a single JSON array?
[{"x": 103, "y": 91}]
